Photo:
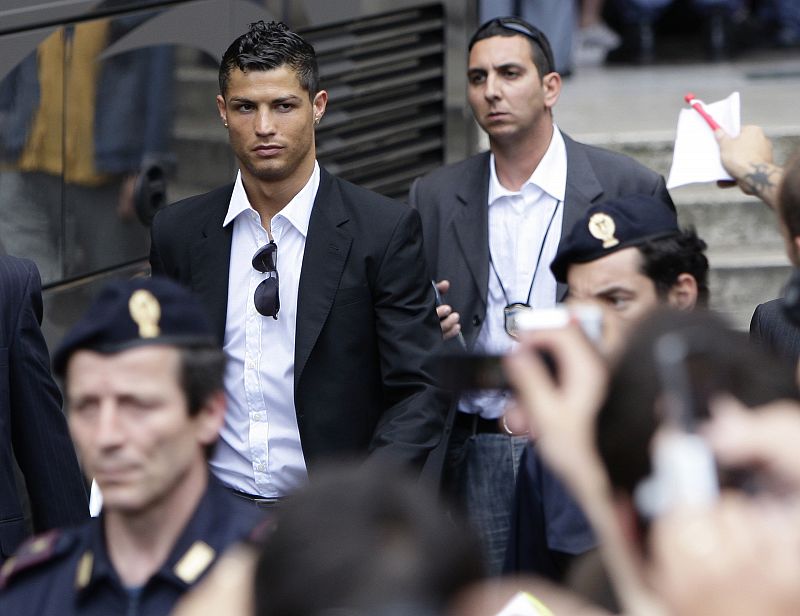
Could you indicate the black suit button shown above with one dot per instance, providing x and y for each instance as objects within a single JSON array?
[{"x": 476, "y": 320}]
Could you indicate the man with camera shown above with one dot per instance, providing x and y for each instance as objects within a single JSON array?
[
  {"x": 492, "y": 224},
  {"x": 620, "y": 437}
]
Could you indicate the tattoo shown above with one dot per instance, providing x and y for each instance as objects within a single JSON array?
[{"x": 759, "y": 181}]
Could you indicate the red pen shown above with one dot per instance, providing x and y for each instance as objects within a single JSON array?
[{"x": 697, "y": 105}]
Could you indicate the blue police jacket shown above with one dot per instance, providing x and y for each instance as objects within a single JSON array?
[{"x": 68, "y": 572}]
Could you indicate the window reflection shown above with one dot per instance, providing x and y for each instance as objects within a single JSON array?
[{"x": 77, "y": 130}]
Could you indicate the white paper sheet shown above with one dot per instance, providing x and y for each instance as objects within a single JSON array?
[
  {"x": 524, "y": 604},
  {"x": 696, "y": 155}
]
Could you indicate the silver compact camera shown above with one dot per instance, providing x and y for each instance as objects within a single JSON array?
[{"x": 588, "y": 316}]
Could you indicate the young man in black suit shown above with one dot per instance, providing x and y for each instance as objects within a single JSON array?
[
  {"x": 317, "y": 287},
  {"x": 492, "y": 224},
  {"x": 34, "y": 431}
]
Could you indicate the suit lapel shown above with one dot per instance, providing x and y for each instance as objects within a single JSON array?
[
  {"x": 471, "y": 224},
  {"x": 583, "y": 188},
  {"x": 211, "y": 256},
  {"x": 326, "y": 251}
]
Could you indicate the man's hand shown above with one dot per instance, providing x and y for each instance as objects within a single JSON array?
[
  {"x": 560, "y": 412},
  {"x": 741, "y": 556},
  {"x": 765, "y": 438},
  {"x": 748, "y": 158},
  {"x": 448, "y": 318}
]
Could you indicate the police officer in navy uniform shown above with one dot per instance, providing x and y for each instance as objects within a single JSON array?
[{"x": 143, "y": 378}]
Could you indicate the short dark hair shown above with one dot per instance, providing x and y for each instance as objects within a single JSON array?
[
  {"x": 664, "y": 259},
  {"x": 789, "y": 196},
  {"x": 541, "y": 52},
  {"x": 719, "y": 360},
  {"x": 201, "y": 375},
  {"x": 267, "y": 46},
  {"x": 364, "y": 538}
]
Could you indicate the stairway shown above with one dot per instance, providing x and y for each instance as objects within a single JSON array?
[
  {"x": 745, "y": 249},
  {"x": 631, "y": 110},
  {"x": 634, "y": 111}
]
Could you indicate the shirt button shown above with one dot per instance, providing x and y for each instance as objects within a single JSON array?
[{"x": 476, "y": 320}]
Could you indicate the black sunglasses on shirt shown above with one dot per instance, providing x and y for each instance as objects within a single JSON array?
[{"x": 266, "y": 298}]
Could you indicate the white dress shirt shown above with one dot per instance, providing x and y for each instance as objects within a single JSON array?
[
  {"x": 518, "y": 231},
  {"x": 259, "y": 451}
]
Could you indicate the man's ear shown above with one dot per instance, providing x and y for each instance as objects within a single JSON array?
[
  {"x": 210, "y": 419},
  {"x": 223, "y": 113},
  {"x": 551, "y": 83},
  {"x": 319, "y": 103},
  {"x": 683, "y": 294}
]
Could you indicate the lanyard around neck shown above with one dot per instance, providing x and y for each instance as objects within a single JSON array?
[{"x": 536, "y": 267}]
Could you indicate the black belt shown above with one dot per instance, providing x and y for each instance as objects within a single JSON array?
[
  {"x": 475, "y": 424},
  {"x": 263, "y": 502}
]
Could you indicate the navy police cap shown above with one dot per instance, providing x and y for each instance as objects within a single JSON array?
[
  {"x": 612, "y": 225},
  {"x": 140, "y": 311}
]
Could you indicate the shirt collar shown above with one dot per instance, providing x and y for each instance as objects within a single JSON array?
[
  {"x": 297, "y": 211},
  {"x": 550, "y": 174},
  {"x": 189, "y": 558}
]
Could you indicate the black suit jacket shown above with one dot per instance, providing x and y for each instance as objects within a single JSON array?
[
  {"x": 366, "y": 324},
  {"x": 32, "y": 427},
  {"x": 771, "y": 329},
  {"x": 453, "y": 200}
]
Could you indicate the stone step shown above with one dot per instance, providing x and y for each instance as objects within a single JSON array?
[
  {"x": 736, "y": 289},
  {"x": 727, "y": 219},
  {"x": 654, "y": 149}
]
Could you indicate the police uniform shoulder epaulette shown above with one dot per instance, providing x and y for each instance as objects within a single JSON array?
[{"x": 34, "y": 552}]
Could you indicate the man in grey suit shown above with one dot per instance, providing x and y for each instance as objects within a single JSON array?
[{"x": 491, "y": 227}]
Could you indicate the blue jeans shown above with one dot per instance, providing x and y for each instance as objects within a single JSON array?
[{"x": 483, "y": 468}]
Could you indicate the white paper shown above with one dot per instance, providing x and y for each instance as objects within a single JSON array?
[
  {"x": 524, "y": 604},
  {"x": 696, "y": 155}
]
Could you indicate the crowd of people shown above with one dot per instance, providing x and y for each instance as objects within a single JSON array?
[
  {"x": 266, "y": 418},
  {"x": 637, "y": 32}
]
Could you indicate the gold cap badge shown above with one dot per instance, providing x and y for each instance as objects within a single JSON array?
[
  {"x": 146, "y": 312},
  {"x": 603, "y": 228}
]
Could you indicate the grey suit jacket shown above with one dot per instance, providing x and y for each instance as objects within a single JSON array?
[{"x": 452, "y": 201}]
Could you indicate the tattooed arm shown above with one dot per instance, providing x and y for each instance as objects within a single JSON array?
[{"x": 748, "y": 158}]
